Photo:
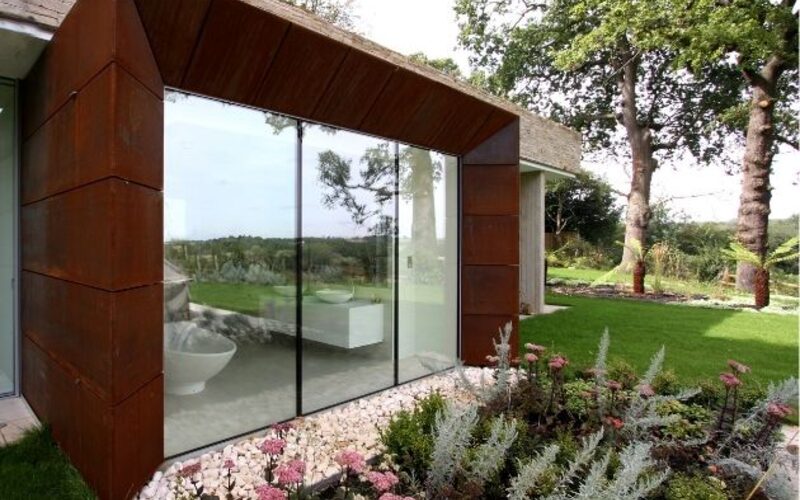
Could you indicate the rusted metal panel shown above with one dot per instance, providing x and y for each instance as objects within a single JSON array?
[
  {"x": 106, "y": 234},
  {"x": 490, "y": 239},
  {"x": 353, "y": 91},
  {"x": 502, "y": 148},
  {"x": 115, "y": 448},
  {"x": 490, "y": 190},
  {"x": 235, "y": 48},
  {"x": 478, "y": 333},
  {"x": 488, "y": 289},
  {"x": 122, "y": 329},
  {"x": 304, "y": 66},
  {"x": 77, "y": 146},
  {"x": 92, "y": 250},
  {"x": 173, "y": 29}
]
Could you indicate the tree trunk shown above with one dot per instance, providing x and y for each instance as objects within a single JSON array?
[
  {"x": 639, "y": 272},
  {"x": 423, "y": 224},
  {"x": 753, "y": 218},
  {"x": 640, "y": 140},
  {"x": 761, "y": 288}
]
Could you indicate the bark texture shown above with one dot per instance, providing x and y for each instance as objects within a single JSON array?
[
  {"x": 423, "y": 226},
  {"x": 639, "y": 272},
  {"x": 640, "y": 139},
  {"x": 754, "y": 202}
]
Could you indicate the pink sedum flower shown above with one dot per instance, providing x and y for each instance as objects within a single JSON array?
[
  {"x": 291, "y": 472},
  {"x": 738, "y": 367},
  {"x": 531, "y": 357},
  {"x": 558, "y": 362},
  {"x": 535, "y": 348},
  {"x": 779, "y": 410},
  {"x": 282, "y": 427},
  {"x": 730, "y": 380},
  {"x": 190, "y": 470},
  {"x": 382, "y": 481},
  {"x": 272, "y": 446},
  {"x": 351, "y": 460},
  {"x": 269, "y": 492},
  {"x": 229, "y": 464},
  {"x": 614, "y": 422},
  {"x": 613, "y": 385},
  {"x": 646, "y": 390}
]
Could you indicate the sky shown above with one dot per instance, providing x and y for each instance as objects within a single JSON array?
[
  {"x": 229, "y": 173},
  {"x": 704, "y": 194}
]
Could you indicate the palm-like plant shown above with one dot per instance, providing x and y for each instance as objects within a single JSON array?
[{"x": 762, "y": 264}]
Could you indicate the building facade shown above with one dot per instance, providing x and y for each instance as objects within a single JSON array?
[{"x": 221, "y": 214}]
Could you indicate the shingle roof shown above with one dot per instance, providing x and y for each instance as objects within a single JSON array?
[
  {"x": 44, "y": 13},
  {"x": 541, "y": 140}
]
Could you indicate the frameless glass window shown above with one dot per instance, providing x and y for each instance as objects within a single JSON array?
[
  {"x": 428, "y": 267},
  {"x": 348, "y": 249},
  {"x": 7, "y": 237},
  {"x": 229, "y": 270}
]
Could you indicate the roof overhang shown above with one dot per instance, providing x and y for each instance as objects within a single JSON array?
[
  {"x": 21, "y": 44},
  {"x": 527, "y": 166}
]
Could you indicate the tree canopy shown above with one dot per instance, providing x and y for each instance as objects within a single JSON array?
[{"x": 584, "y": 204}]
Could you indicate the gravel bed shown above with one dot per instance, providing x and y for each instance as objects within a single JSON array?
[{"x": 315, "y": 439}]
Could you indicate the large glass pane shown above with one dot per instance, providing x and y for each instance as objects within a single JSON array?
[
  {"x": 229, "y": 270},
  {"x": 428, "y": 275},
  {"x": 348, "y": 221},
  {"x": 7, "y": 237}
]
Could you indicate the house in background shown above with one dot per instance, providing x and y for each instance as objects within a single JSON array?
[{"x": 335, "y": 220}]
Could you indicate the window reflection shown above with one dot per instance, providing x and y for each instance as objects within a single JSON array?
[
  {"x": 232, "y": 275},
  {"x": 229, "y": 222},
  {"x": 348, "y": 252},
  {"x": 428, "y": 247}
]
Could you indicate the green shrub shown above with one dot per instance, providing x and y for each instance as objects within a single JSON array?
[
  {"x": 624, "y": 373},
  {"x": 695, "y": 487},
  {"x": 409, "y": 436},
  {"x": 666, "y": 382}
]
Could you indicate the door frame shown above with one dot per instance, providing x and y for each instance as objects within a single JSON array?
[{"x": 15, "y": 238}]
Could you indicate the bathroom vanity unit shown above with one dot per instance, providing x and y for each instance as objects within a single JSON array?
[{"x": 353, "y": 324}]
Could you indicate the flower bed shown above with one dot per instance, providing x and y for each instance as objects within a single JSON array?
[
  {"x": 315, "y": 440},
  {"x": 527, "y": 428}
]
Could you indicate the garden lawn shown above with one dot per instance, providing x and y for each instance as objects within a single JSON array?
[
  {"x": 34, "y": 467},
  {"x": 698, "y": 340}
]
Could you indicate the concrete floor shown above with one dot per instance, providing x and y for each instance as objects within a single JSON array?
[
  {"x": 16, "y": 417},
  {"x": 257, "y": 388}
]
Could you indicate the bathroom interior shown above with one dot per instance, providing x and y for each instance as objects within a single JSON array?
[{"x": 271, "y": 223}]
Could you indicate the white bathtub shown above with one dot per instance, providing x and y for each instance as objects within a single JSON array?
[{"x": 192, "y": 356}]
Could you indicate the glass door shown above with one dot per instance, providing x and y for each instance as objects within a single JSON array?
[
  {"x": 428, "y": 262},
  {"x": 8, "y": 238}
]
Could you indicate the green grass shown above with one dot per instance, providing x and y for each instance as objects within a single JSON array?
[
  {"x": 698, "y": 340},
  {"x": 34, "y": 467}
]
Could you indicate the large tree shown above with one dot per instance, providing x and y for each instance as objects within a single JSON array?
[
  {"x": 590, "y": 65},
  {"x": 757, "y": 38},
  {"x": 338, "y": 12},
  {"x": 583, "y": 204}
]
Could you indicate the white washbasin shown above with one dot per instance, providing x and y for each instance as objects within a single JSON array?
[
  {"x": 334, "y": 296},
  {"x": 192, "y": 356}
]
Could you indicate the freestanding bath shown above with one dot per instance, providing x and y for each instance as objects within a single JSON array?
[{"x": 192, "y": 356}]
